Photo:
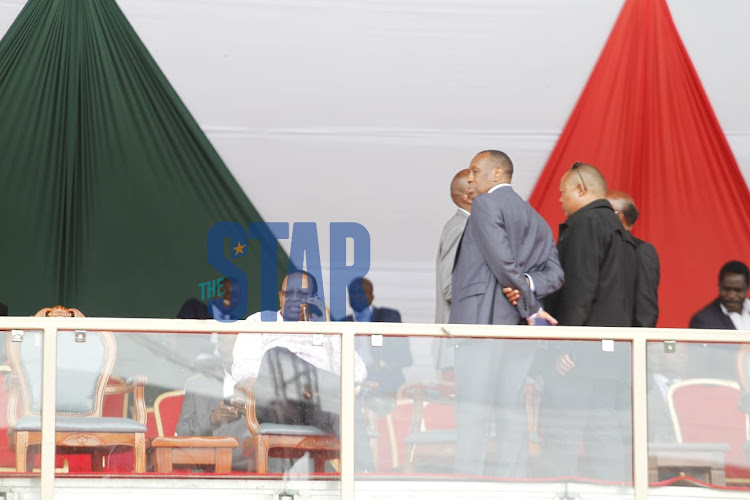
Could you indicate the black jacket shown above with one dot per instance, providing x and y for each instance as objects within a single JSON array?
[
  {"x": 598, "y": 257},
  {"x": 646, "y": 310}
]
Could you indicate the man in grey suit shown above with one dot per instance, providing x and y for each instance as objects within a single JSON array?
[
  {"x": 462, "y": 193},
  {"x": 506, "y": 244}
]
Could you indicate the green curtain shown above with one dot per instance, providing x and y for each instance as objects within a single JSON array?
[{"x": 108, "y": 186}]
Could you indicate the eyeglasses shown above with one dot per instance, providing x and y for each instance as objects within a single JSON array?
[
  {"x": 580, "y": 177},
  {"x": 297, "y": 294}
]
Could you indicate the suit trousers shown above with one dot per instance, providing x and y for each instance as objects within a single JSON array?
[
  {"x": 490, "y": 378},
  {"x": 582, "y": 408}
]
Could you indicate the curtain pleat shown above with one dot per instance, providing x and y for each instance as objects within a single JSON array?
[{"x": 109, "y": 186}]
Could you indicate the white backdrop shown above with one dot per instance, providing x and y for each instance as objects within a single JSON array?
[{"x": 362, "y": 110}]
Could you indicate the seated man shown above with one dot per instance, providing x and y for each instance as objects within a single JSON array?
[
  {"x": 298, "y": 376},
  {"x": 729, "y": 311},
  {"x": 385, "y": 364},
  {"x": 206, "y": 410}
]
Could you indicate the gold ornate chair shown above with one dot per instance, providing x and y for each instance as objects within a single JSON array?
[{"x": 83, "y": 370}]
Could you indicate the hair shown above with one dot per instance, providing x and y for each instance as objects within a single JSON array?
[
  {"x": 591, "y": 178},
  {"x": 498, "y": 159},
  {"x": 735, "y": 267},
  {"x": 458, "y": 185},
  {"x": 361, "y": 281},
  {"x": 630, "y": 213},
  {"x": 311, "y": 281},
  {"x": 194, "y": 309}
]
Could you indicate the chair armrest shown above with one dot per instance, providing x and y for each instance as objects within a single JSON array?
[
  {"x": 246, "y": 388},
  {"x": 136, "y": 385}
]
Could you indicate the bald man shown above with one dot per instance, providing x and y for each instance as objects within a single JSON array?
[
  {"x": 646, "y": 307},
  {"x": 581, "y": 392},
  {"x": 462, "y": 194}
]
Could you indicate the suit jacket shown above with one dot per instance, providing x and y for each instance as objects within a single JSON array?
[
  {"x": 646, "y": 307},
  {"x": 385, "y": 364},
  {"x": 713, "y": 360},
  {"x": 446, "y": 258},
  {"x": 504, "y": 238},
  {"x": 202, "y": 395},
  {"x": 712, "y": 317},
  {"x": 598, "y": 256}
]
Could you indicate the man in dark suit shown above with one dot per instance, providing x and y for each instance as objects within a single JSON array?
[
  {"x": 505, "y": 244},
  {"x": 729, "y": 311},
  {"x": 205, "y": 411},
  {"x": 646, "y": 306},
  {"x": 385, "y": 363},
  {"x": 580, "y": 394}
]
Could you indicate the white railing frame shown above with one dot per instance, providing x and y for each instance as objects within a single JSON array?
[{"x": 347, "y": 330}]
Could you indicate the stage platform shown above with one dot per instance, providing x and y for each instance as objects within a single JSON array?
[{"x": 241, "y": 489}]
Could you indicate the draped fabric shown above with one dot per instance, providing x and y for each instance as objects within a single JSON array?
[
  {"x": 645, "y": 121},
  {"x": 108, "y": 186}
]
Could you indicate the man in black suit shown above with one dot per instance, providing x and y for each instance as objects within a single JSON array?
[
  {"x": 729, "y": 311},
  {"x": 386, "y": 363},
  {"x": 580, "y": 394},
  {"x": 646, "y": 306}
]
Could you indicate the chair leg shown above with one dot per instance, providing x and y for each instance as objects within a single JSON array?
[
  {"x": 22, "y": 445},
  {"x": 319, "y": 463},
  {"x": 139, "y": 453},
  {"x": 97, "y": 458},
  {"x": 261, "y": 454}
]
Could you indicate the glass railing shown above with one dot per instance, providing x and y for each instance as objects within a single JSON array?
[{"x": 360, "y": 410}]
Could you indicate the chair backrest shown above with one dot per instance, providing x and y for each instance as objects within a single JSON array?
[
  {"x": 167, "y": 411},
  {"x": 83, "y": 368},
  {"x": 704, "y": 410},
  {"x": 434, "y": 404}
]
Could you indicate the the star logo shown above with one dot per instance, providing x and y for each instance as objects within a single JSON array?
[{"x": 239, "y": 249}]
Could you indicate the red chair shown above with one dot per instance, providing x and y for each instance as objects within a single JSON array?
[
  {"x": 167, "y": 412},
  {"x": 704, "y": 410},
  {"x": 432, "y": 432}
]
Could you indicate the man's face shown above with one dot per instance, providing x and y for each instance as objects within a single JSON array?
[
  {"x": 481, "y": 174},
  {"x": 226, "y": 286},
  {"x": 569, "y": 195},
  {"x": 294, "y": 292},
  {"x": 360, "y": 295},
  {"x": 732, "y": 291}
]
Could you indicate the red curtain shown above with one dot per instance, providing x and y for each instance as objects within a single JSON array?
[{"x": 645, "y": 121}]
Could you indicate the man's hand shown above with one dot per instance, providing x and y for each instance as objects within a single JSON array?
[
  {"x": 542, "y": 314},
  {"x": 563, "y": 364},
  {"x": 512, "y": 295},
  {"x": 223, "y": 414},
  {"x": 317, "y": 309}
]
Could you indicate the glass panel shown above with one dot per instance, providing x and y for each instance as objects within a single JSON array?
[
  {"x": 697, "y": 414},
  {"x": 20, "y": 396},
  {"x": 500, "y": 410}
]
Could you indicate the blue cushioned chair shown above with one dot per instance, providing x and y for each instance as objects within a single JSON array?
[{"x": 83, "y": 369}]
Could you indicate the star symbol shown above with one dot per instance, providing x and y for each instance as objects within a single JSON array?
[{"x": 239, "y": 249}]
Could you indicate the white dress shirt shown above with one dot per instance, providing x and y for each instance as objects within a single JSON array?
[
  {"x": 741, "y": 319},
  {"x": 250, "y": 347}
]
